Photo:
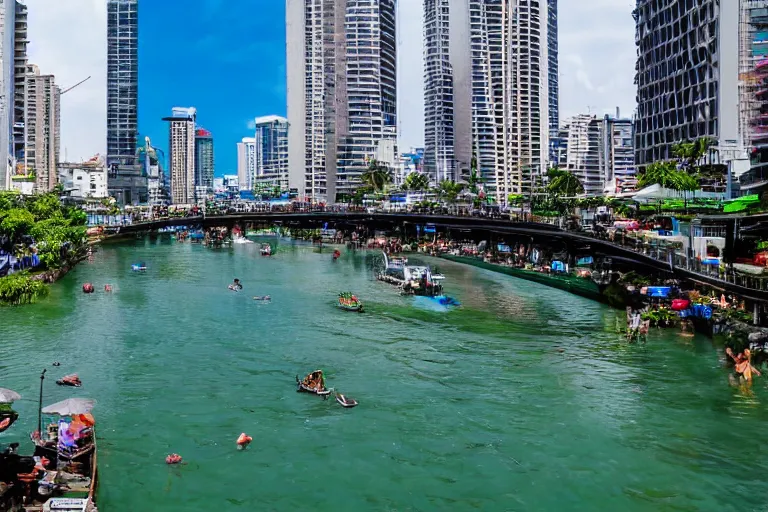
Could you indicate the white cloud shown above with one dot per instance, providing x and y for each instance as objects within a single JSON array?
[{"x": 68, "y": 38}]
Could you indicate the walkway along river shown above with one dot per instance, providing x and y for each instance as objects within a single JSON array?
[{"x": 525, "y": 398}]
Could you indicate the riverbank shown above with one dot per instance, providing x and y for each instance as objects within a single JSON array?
[{"x": 566, "y": 282}]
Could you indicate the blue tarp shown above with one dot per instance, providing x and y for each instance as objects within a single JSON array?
[
  {"x": 659, "y": 291},
  {"x": 247, "y": 195}
]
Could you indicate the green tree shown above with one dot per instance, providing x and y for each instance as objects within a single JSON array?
[
  {"x": 44, "y": 206},
  {"x": 449, "y": 191},
  {"x": 16, "y": 222},
  {"x": 474, "y": 179},
  {"x": 416, "y": 181},
  {"x": 377, "y": 176},
  {"x": 564, "y": 183},
  {"x": 515, "y": 199},
  {"x": 690, "y": 153},
  {"x": 661, "y": 173}
]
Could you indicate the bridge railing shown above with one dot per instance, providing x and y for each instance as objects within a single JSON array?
[{"x": 657, "y": 249}]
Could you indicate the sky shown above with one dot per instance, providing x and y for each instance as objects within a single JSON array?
[{"x": 227, "y": 59}]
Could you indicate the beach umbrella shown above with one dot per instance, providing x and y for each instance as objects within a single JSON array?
[
  {"x": 70, "y": 407},
  {"x": 8, "y": 396}
]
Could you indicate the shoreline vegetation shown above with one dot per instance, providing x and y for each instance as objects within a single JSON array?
[{"x": 41, "y": 239}]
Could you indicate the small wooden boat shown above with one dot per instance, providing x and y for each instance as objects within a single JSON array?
[
  {"x": 303, "y": 388},
  {"x": 70, "y": 380},
  {"x": 346, "y": 401},
  {"x": 349, "y": 302}
]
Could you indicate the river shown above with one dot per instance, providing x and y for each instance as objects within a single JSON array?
[{"x": 525, "y": 398}]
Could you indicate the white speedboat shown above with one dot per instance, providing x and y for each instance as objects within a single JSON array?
[{"x": 241, "y": 240}]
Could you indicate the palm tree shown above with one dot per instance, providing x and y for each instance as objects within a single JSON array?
[
  {"x": 416, "y": 181},
  {"x": 449, "y": 190},
  {"x": 474, "y": 179},
  {"x": 661, "y": 173},
  {"x": 377, "y": 176},
  {"x": 690, "y": 153}
]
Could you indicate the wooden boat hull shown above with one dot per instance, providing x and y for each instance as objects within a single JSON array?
[
  {"x": 301, "y": 388},
  {"x": 357, "y": 309}
]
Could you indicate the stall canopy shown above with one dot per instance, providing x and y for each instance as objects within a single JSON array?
[
  {"x": 70, "y": 407},
  {"x": 658, "y": 193}
]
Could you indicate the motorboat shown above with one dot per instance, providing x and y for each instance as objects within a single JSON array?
[{"x": 346, "y": 401}]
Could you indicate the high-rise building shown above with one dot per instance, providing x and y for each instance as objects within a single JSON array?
[
  {"x": 7, "y": 44},
  {"x": 599, "y": 151},
  {"x": 246, "y": 163},
  {"x": 271, "y": 148},
  {"x": 122, "y": 80},
  {"x": 43, "y": 125},
  {"x": 553, "y": 69},
  {"x": 439, "y": 161},
  {"x": 20, "y": 84},
  {"x": 181, "y": 153},
  {"x": 510, "y": 92},
  {"x": 687, "y": 77},
  {"x": 203, "y": 159},
  {"x": 342, "y": 93}
]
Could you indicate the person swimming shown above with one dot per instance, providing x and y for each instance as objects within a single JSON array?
[
  {"x": 235, "y": 286},
  {"x": 264, "y": 298}
]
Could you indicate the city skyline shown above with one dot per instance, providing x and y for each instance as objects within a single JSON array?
[{"x": 589, "y": 64}]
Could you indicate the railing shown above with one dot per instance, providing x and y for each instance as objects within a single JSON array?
[{"x": 656, "y": 249}]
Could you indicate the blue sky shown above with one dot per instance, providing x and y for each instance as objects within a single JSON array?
[
  {"x": 227, "y": 58},
  {"x": 228, "y": 63}
]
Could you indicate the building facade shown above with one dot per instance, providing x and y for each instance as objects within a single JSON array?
[
  {"x": 271, "y": 152},
  {"x": 204, "y": 159},
  {"x": 181, "y": 154},
  {"x": 20, "y": 83},
  {"x": 246, "y": 163},
  {"x": 342, "y": 93},
  {"x": 43, "y": 125},
  {"x": 553, "y": 68},
  {"x": 687, "y": 77},
  {"x": 7, "y": 43},
  {"x": 439, "y": 159},
  {"x": 122, "y": 80},
  {"x": 599, "y": 151},
  {"x": 84, "y": 180}
]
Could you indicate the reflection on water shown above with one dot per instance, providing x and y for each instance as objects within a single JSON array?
[{"x": 523, "y": 398}]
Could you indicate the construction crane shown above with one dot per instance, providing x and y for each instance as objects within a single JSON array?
[{"x": 77, "y": 84}]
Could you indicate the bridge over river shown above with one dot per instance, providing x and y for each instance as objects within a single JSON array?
[{"x": 623, "y": 251}]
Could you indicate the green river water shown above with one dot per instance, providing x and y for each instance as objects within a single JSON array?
[{"x": 523, "y": 399}]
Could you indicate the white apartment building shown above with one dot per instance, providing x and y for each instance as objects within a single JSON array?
[
  {"x": 7, "y": 44},
  {"x": 272, "y": 151},
  {"x": 85, "y": 180},
  {"x": 342, "y": 94},
  {"x": 246, "y": 163},
  {"x": 599, "y": 151},
  {"x": 182, "y": 154},
  {"x": 487, "y": 63},
  {"x": 43, "y": 127}
]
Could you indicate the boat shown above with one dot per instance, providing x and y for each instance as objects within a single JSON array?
[
  {"x": 346, "y": 401},
  {"x": 265, "y": 298},
  {"x": 66, "y": 451},
  {"x": 139, "y": 267},
  {"x": 266, "y": 250},
  {"x": 349, "y": 302},
  {"x": 313, "y": 383},
  {"x": 70, "y": 380},
  {"x": 412, "y": 279},
  {"x": 241, "y": 240},
  {"x": 7, "y": 415}
]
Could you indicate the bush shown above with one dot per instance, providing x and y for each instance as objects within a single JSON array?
[{"x": 20, "y": 288}]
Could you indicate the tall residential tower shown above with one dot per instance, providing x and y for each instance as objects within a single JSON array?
[
  {"x": 122, "y": 80},
  {"x": 490, "y": 90},
  {"x": 341, "y": 72},
  {"x": 203, "y": 159},
  {"x": 181, "y": 156}
]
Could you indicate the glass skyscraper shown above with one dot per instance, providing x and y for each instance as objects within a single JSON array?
[
  {"x": 122, "y": 80},
  {"x": 203, "y": 158}
]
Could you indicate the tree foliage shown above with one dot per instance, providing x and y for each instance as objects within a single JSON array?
[
  {"x": 416, "y": 181},
  {"x": 449, "y": 191},
  {"x": 564, "y": 183},
  {"x": 20, "y": 288},
  {"x": 377, "y": 176}
]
